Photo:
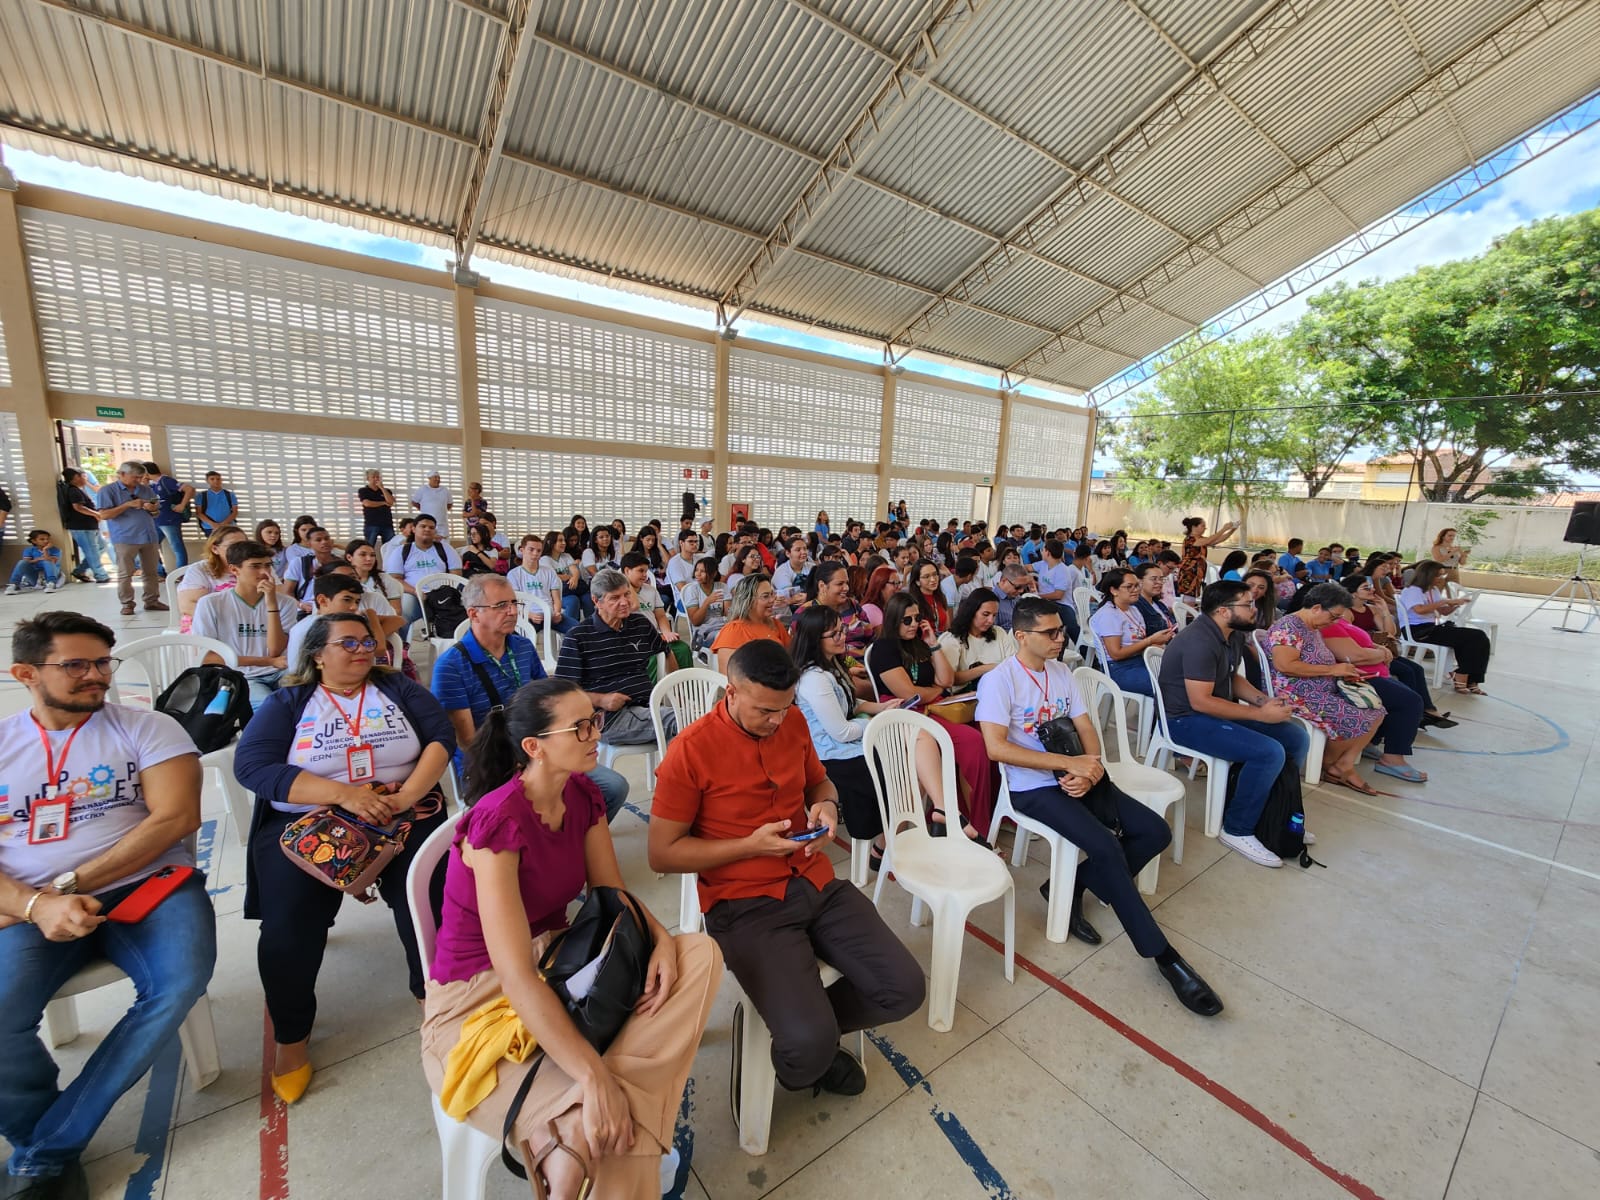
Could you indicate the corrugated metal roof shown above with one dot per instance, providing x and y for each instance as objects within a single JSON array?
[{"x": 657, "y": 143}]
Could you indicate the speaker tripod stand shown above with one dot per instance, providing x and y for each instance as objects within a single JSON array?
[{"x": 1578, "y": 592}]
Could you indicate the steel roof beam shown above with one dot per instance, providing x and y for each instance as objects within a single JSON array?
[
  {"x": 1188, "y": 96},
  {"x": 509, "y": 72},
  {"x": 1495, "y": 47},
  {"x": 754, "y": 235},
  {"x": 1416, "y": 48},
  {"x": 895, "y": 97}
]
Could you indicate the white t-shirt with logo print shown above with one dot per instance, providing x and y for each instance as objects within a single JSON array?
[
  {"x": 322, "y": 739},
  {"x": 101, "y": 774},
  {"x": 543, "y": 584},
  {"x": 1022, "y": 700},
  {"x": 226, "y": 617},
  {"x": 438, "y": 559}
]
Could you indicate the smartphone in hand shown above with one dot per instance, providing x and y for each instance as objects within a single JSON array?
[{"x": 809, "y": 835}]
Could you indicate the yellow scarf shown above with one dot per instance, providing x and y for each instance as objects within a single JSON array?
[{"x": 471, "y": 1073}]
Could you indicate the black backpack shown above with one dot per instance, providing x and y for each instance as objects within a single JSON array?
[
  {"x": 211, "y": 702},
  {"x": 1282, "y": 826},
  {"x": 444, "y": 611}
]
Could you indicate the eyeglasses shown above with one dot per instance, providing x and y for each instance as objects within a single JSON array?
[
  {"x": 494, "y": 608},
  {"x": 351, "y": 645},
  {"x": 77, "y": 668},
  {"x": 1055, "y": 633},
  {"x": 586, "y": 730},
  {"x": 1250, "y": 604}
]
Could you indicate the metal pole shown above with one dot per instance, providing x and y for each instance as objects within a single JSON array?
[{"x": 1227, "y": 455}]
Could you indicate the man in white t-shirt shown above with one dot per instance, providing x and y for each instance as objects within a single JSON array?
[
  {"x": 1015, "y": 700},
  {"x": 680, "y": 567},
  {"x": 302, "y": 568},
  {"x": 436, "y": 501},
  {"x": 250, "y": 617},
  {"x": 536, "y": 579},
  {"x": 1057, "y": 578},
  {"x": 95, "y": 800},
  {"x": 423, "y": 554},
  {"x": 647, "y": 600},
  {"x": 339, "y": 593}
]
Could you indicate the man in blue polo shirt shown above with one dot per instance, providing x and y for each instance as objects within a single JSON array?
[
  {"x": 487, "y": 666},
  {"x": 130, "y": 507},
  {"x": 1291, "y": 561}
]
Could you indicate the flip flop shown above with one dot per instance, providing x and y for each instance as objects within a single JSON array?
[
  {"x": 1357, "y": 785},
  {"x": 1404, "y": 771}
]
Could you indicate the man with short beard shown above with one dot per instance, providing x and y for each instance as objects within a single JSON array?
[
  {"x": 98, "y": 798},
  {"x": 1202, "y": 678}
]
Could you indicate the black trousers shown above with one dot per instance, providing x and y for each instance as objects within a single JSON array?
[
  {"x": 297, "y": 911},
  {"x": 1112, "y": 862},
  {"x": 1471, "y": 646},
  {"x": 771, "y": 946},
  {"x": 858, "y": 800}
]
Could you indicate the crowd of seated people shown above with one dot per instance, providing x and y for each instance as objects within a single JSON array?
[{"x": 816, "y": 632}]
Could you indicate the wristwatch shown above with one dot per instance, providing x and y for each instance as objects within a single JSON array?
[{"x": 66, "y": 883}]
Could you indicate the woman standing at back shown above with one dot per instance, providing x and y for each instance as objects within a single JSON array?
[{"x": 1192, "y": 570}]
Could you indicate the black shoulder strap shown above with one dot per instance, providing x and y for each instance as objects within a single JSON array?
[{"x": 482, "y": 672}]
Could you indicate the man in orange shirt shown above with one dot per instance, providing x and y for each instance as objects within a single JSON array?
[{"x": 732, "y": 792}]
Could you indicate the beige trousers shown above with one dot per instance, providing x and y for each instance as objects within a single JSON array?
[
  {"x": 149, "y": 556},
  {"x": 650, "y": 1060}
]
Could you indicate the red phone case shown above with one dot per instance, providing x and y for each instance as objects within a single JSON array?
[{"x": 141, "y": 902}]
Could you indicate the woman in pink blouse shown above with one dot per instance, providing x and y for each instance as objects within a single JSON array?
[{"x": 535, "y": 837}]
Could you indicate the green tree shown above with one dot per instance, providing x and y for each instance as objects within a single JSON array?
[
  {"x": 1453, "y": 352},
  {"x": 1212, "y": 433},
  {"x": 1324, "y": 426}
]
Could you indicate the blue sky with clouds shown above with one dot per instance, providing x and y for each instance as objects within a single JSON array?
[{"x": 1563, "y": 180}]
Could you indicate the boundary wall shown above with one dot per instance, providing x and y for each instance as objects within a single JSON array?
[{"x": 290, "y": 368}]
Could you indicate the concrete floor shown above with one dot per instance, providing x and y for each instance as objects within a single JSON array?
[{"x": 1416, "y": 1020}]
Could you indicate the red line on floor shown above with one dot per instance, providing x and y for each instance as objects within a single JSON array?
[
  {"x": 274, "y": 1125},
  {"x": 1202, "y": 1081}
]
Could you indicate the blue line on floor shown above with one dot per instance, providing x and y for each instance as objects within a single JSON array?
[
  {"x": 155, "y": 1122},
  {"x": 984, "y": 1171},
  {"x": 1561, "y": 743},
  {"x": 683, "y": 1139}
]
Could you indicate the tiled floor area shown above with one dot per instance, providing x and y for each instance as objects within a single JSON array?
[{"x": 1415, "y": 1021}]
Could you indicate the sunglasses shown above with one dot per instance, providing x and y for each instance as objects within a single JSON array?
[{"x": 350, "y": 645}]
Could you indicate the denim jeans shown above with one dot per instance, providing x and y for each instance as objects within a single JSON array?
[
  {"x": 261, "y": 687},
  {"x": 378, "y": 531},
  {"x": 172, "y": 535},
  {"x": 30, "y": 570},
  {"x": 1260, "y": 747},
  {"x": 168, "y": 955},
  {"x": 1131, "y": 675},
  {"x": 613, "y": 787},
  {"x": 92, "y": 553}
]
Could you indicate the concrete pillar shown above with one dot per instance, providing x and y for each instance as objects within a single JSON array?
[
  {"x": 466, "y": 299},
  {"x": 886, "y": 447},
  {"x": 998, "y": 494},
  {"x": 27, "y": 395}
]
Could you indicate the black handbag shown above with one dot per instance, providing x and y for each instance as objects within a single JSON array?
[
  {"x": 597, "y": 966},
  {"x": 1060, "y": 736}
]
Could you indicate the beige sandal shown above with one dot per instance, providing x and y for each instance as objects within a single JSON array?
[{"x": 541, "y": 1186}]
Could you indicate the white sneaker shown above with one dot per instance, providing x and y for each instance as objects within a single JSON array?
[
  {"x": 13, "y": 590},
  {"x": 1309, "y": 838},
  {"x": 52, "y": 586},
  {"x": 1252, "y": 849}
]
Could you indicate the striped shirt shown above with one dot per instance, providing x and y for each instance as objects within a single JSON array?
[{"x": 599, "y": 658}]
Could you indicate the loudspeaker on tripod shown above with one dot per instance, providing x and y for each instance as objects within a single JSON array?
[{"x": 1583, "y": 527}]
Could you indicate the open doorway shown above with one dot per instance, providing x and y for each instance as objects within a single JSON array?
[
  {"x": 980, "y": 502},
  {"x": 96, "y": 447}
]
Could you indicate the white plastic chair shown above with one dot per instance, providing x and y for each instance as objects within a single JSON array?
[
  {"x": 428, "y": 583},
  {"x": 1465, "y": 617},
  {"x": 1145, "y": 704},
  {"x": 1421, "y": 652},
  {"x": 543, "y": 635},
  {"x": 197, "y": 1034},
  {"x": 162, "y": 659},
  {"x": 609, "y": 754},
  {"x": 1083, "y": 605},
  {"x": 1163, "y": 746},
  {"x": 1183, "y": 613},
  {"x": 1159, "y": 791},
  {"x": 756, "y": 1082},
  {"x": 468, "y": 1152},
  {"x": 951, "y": 875},
  {"x": 1063, "y": 859},
  {"x": 175, "y": 618},
  {"x": 1319, "y": 740}
]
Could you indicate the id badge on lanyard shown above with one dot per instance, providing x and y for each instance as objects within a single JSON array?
[
  {"x": 358, "y": 759},
  {"x": 51, "y": 815}
]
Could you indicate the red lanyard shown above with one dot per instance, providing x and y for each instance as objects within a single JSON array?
[
  {"x": 352, "y": 720},
  {"x": 1043, "y": 690},
  {"x": 54, "y": 770}
]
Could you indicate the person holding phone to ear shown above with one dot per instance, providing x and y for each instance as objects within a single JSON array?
[{"x": 68, "y": 754}]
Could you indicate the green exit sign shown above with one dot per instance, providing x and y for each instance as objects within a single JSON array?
[{"x": 106, "y": 410}]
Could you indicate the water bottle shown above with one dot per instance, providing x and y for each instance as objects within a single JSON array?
[
  {"x": 219, "y": 703},
  {"x": 1297, "y": 826}
]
